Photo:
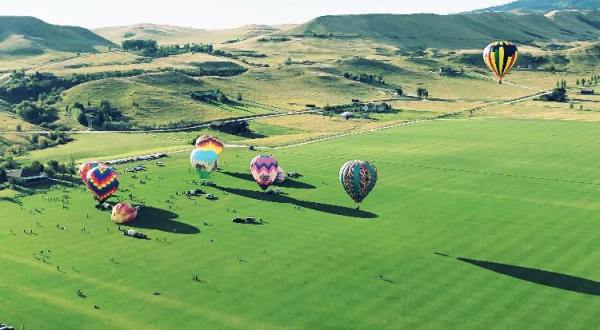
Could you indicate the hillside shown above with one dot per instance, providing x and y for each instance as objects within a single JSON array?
[
  {"x": 546, "y": 5},
  {"x": 457, "y": 31},
  {"x": 29, "y": 35},
  {"x": 167, "y": 34}
]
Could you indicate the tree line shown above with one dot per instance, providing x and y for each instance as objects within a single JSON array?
[
  {"x": 366, "y": 78},
  {"x": 51, "y": 168},
  {"x": 593, "y": 80},
  {"x": 150, "y": 48}
]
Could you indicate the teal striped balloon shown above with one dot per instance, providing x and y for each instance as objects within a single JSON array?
[{"x": 358, "y": 179}]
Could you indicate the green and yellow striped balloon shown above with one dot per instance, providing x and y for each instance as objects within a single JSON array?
[{"x": 500, "y": 57}]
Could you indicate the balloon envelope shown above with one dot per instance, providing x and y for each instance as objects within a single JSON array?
[
  {"x": 84, "y": 169},
  {"x": 123, "y": 212},
  {"x": 204, "y": 162},
  {"x": 209, "y": 143},
  {"x": 264, "y": 170},
  {"x": 358, "y": 179},
  {"x": 102, "y": 181},
  {"x": 500, "y": 57},
  {"x": 280, "y": 175}
]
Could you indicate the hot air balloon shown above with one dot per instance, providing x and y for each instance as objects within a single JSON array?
[
  {"x": 209, "y": 143},
  {"x": 123, "y": 212},
  {"x": 500, "y": 57},
  {"x": 203, "y": 161},
  {"x": 264, "y": 170},
  {"x": 280, "y": 175},
  {"x": 85, "y": 167},
  {"x": 358, "y": 179},
  {"x": 102, "y": 181}
]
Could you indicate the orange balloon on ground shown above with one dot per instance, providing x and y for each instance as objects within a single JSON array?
[{"x": 123, "y": 212}]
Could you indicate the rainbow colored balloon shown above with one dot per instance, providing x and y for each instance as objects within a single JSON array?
[
  {"x": 209, "y": 143},
  {"x": 264, "y": 170},
  {"x": 204, "y": 161},
  {"x": 102, "y": 181},
  {"x": 358, "y": 179},
  {"x": 281, "y": 176},
  {"x": 123, "y": 212},
  {"x": 85, "y": 167}
]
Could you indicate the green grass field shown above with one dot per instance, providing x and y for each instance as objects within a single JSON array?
[{"x": 501, "y": 193}]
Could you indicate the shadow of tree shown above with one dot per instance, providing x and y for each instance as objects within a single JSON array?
[
  {"x": 154, "y": 218},
  {"x": 288, "y": 183},
  {"x": 321, "y": 207},
  {"x": 539, "y": 276}
]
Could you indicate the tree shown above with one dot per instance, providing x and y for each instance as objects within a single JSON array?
[
  {"x": 35, "y": 167},
  {"x": 18, "y": 127},
  {"x": 71, "y": 166},
  {"x": 34, "y": 113},
  {"x": 62, "y": 169},
  {"x": 53, "y": 164},
  {"x": 3, "y": 176},
  {"x": 50, "y": 172},
  {"x": 9, "y": 163},
  {"x": 222, "y": 98},
  {"x": 422, "y": 93},
  {"x": 239, "y": 97},
  {"x": 288, "y": 61}
]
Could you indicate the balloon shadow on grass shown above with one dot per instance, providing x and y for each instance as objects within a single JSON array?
[
  {"x": 154, "y": 218},
  {"x": 321, "y": 207},
  {"x": 288, "y": 183},
  {"x": 539, "y": 276}
]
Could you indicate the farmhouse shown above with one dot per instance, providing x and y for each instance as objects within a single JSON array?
[
  {"x": 26, "y": 176},
  {"x": 586, "y": 91}
]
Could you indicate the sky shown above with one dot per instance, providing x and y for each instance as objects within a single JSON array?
[{"x": 215, "y": 14}]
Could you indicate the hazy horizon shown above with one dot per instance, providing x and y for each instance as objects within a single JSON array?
[{"x": 219, "y": 14}]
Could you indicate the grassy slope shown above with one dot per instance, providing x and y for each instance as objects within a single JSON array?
[
  {"x": 492, "y": 190},
  {"x": 29, "y": 35},
  {"x": 455, "y": 31},
  {"x": 166, "y": 34},
  {"x": 544, "y": 5},
  {"x": 120, "y": 61},
  {"x": 162, "y": 98}
]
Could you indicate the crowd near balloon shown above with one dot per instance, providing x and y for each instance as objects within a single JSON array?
[{"x": 357, "y": 177}]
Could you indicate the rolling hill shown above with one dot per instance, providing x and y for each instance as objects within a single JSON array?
[
  {"x": 168, "y": 34},
  {"x": 457, "y": 31},
  {"x": 546, "y": 5},
  {"x": 21, "y": 35}
]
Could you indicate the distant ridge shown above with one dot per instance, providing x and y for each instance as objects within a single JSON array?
[
  {"x": 169, "y": 34},
  {"x": 458, "y": 31},
  {"x": 22, "y": 35},
  {"x": 545, "y": 5}
]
